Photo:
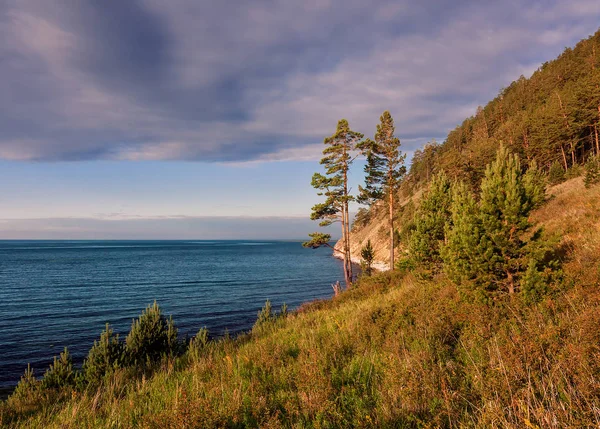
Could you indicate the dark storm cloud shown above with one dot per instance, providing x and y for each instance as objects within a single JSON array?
[{"x": 257, "y": 80}]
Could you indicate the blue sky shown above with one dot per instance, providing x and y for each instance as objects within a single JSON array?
[{"x": 197, "y": 119}]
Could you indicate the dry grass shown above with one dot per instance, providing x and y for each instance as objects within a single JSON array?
[
  {"x": 573, "y": 214},
  {"x": 394, "y": 352}
]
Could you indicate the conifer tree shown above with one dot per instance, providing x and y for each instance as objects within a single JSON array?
[
  {"x": 105, "y": 356},
  {"x": 28, "y": 385},
  {"x": 592, "y": 171},
  {"x": 367, "y": 253},
  {"x": 430, "y": 223},
  {"x": 384, "y": 170},
  {"x": 556, "y": 174},
  {"x": 506, "y": 201},
  {"x": 461, "y": 251},
  {"x": 534, "y": 182},
  {"x": 486, "y": 241},
  {"x": 151, "y": 336},
  {"x": 60, "y": 373},
  {"x": 333, "y": 185}
]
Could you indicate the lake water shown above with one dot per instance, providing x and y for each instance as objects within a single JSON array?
[{"x": 61, "y": 293}]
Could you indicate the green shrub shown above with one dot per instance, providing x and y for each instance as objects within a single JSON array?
[
  {"x": 60, "y": 374},
  {"x": 405, "y": 265},
  {"x": 104, "y": 357},
  {"x": 592, "y": 171},
  {"x": 573, "y": 172},
  {"x": 284, "y": 310},
  {"x": 556, "y": 174},
  {"x": 28, "y": 385},
  {"x": 151, "y": 337},
  {"x": 198, "y": 344},
  {"x": 265, "y": 315}
]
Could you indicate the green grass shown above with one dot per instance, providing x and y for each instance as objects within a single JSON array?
[{"x": 396, "y": 351}]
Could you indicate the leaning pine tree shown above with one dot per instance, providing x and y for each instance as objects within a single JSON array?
[
  {"x": 384, "y": 170},
  {"x": 333, "y": 185}
]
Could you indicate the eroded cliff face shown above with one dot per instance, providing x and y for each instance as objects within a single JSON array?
[{"x": 376, "y": 229}]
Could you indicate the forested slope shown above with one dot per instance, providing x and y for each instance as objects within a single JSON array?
[{"x": 552, "y": 118}]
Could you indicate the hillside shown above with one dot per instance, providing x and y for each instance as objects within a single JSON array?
[
  {"x": 551, "y": 118},
  {"x": 494, "y": 322},
  {"x": 396, "y": 351}
]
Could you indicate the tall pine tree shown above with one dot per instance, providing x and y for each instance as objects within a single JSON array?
[
  {"x": 384, "y": 170},
  {"x": 333, "y": 185}
]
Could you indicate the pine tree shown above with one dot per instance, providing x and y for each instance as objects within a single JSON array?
[
  {"x": 534, "y": 181},
  {"x": 592, "y": 171},
  {"x": 367, "y": 253},
  {"x": 461, "y": 251},
  {"x": 556, "y": 174},
  {"x": 430, "y": 223},
  {"x": 333, "y": 185},
  {"x": 151, "y": 336},
  {"x": 105, "y": 356},
  {"x": 60, "y": 373},
  {"x": 384, "y": 170},
  {"x": 486, "y": 241},
  {"x": 28, "y": 385},
  {"x": 507, "y": 198}
]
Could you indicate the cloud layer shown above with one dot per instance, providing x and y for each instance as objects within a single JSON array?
[
  {"x": 257, "y": 80},
  {"x": 158, "y": 228}
]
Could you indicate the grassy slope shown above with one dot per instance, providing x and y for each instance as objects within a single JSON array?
[{"x": 394, "y": 352}]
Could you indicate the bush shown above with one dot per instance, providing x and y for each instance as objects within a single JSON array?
[
  {"x": 198, "y": 344},
  {"x": 574, "y": 171},
  {"x": 152, "y": 336},
  {"x": 592, "y": 171},
  {"x": 556, "y": 174},
  {"x": 28, "y": 385},
  {"x": 405, "y": 265},
  {"x": 104, "y": 357},
  {"x": 60, "y": 374},
  {"x": 265, "y": 315}
]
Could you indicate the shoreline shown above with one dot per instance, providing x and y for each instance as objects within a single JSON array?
[{"x": 377, "y": 266}]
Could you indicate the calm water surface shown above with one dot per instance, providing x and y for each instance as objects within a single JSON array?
[{"x": 61, "y": 293}]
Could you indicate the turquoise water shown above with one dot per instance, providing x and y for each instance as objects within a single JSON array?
[{"x": 61, "y": 293}]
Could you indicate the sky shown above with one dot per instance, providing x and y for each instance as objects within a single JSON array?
[{"x": 201, "y": 119}]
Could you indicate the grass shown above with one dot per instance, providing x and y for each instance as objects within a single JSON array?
[{"x": 396, "y": 351}]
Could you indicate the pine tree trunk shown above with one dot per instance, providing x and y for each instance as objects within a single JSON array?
[
  {"x": 596, "y": 131},
  {"x": 391, "y": 204},
  {"x": 511, "y": 282},
  {"x": 562, "y": 149},
  {"x": 566, "y": 119},
  {"x": 345, "y": 225},
  {"x": 348, "y": 254},
  {"x": 347, "y": 280}
]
